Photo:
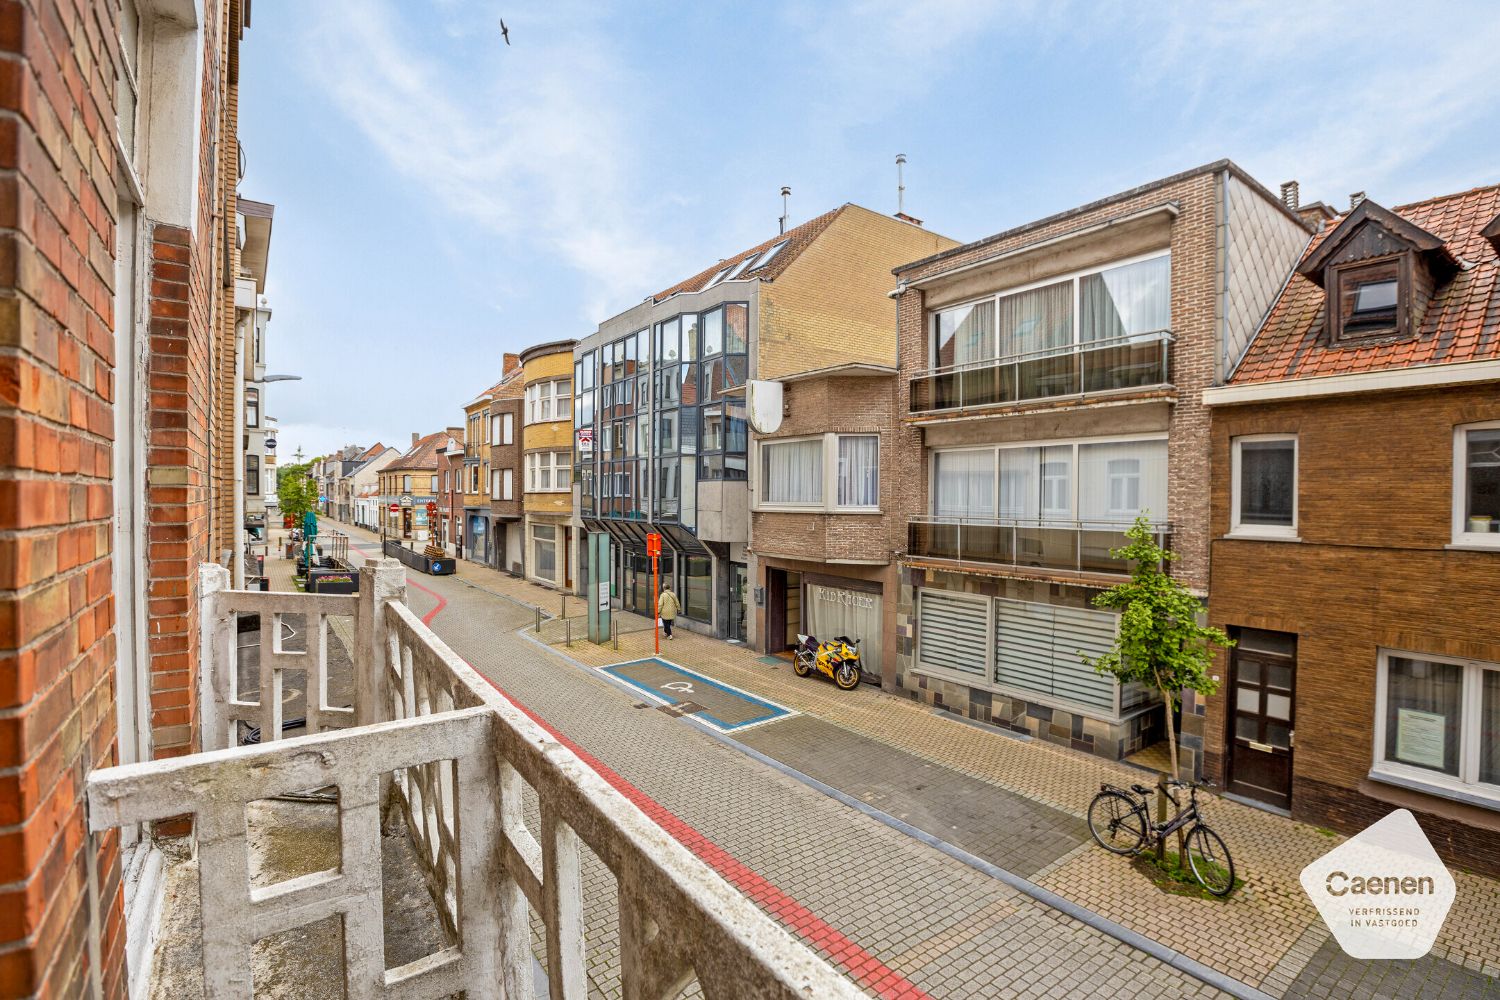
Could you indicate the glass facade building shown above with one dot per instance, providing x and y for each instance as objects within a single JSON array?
[{"x": 657, "y": 438}]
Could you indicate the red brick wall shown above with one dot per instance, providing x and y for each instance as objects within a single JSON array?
[
  {"x": 57, "y": 716},
  {"x": 1373, "y": 510}
]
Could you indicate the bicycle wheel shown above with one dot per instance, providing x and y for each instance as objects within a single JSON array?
[
  {"x": 1209, "y": 858},
  {"x": 1117, "y": 822}
]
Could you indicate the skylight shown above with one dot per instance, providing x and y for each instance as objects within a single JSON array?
[
  {"x": 719, "y": 277},
  {"x": 770, "y": 255},
  {"x": 745, "y": 265}
]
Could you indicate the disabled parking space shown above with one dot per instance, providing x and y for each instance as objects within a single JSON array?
[{"x": 726, "y": 708}]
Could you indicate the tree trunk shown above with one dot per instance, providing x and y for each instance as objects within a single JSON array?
[{"x": 1161, "y": 795}]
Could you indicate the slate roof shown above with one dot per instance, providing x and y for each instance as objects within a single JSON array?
[
  {"x": 799, "y": 237},
  {"x": 1462, "y": 322}
]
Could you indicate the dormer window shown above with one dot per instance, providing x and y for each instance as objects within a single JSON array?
[{"x": 1366, "y": 300}]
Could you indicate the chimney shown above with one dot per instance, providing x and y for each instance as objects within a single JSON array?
[
  {"x": 909, "y": 218},
  {"x": 1291, "y": 195},
  {"x": 1355, "y": 199},
  {"x": 512, "y": 362},
  {"x": 900, "y": 185},
  {"x": 785, "y": 194},
  {"x": 415, "y": 437}
]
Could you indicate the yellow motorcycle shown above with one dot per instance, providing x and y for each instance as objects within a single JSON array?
[{"x": 837, "y": 660}]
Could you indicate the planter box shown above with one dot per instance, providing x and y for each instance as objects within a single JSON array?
[{"x": 433, "y": 567}]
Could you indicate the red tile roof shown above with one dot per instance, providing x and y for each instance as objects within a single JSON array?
[
  {"x": 800, "y": 238},
  {"x": 423, "y": 454},
  {"x": 1462, "y": 322}
]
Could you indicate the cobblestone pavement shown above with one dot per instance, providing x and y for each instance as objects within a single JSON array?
[{"x": 933, "y": 772}]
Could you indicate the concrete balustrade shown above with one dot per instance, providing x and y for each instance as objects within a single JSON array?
[{"x": 433, "y": 742}]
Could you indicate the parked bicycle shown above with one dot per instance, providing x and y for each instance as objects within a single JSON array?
[{"x": 1120, "y": 821}]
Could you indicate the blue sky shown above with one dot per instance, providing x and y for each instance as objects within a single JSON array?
[{"x": 442, "y": 199}]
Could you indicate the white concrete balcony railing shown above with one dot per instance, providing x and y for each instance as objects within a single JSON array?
[
  {"x": 1122, "y": 364},
  {"x": 431, "y": 742}
]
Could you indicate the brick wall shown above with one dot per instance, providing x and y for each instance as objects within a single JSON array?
[
  {"x": 508, "y": 456},
  {"x": 1371, "y": 571},
  {"x": 1192, "y": 241},
  {"x": 57, "y": 716}
]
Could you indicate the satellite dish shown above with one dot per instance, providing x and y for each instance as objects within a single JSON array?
[{"x": 763, "y": 400}]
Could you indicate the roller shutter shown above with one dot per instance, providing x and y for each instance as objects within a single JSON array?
[
  {"x": 953, "y": 631},
  {"x": 1037, "y": 649}
]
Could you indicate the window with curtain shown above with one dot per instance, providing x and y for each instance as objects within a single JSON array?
[
  {"x": 1057, "y": 482},
  {"x": 859, "y": 470},
  {"x": 1423, "y": 709},
  {"x": 1264, "y": 474},
  {"x": 1120, "y": 480},
  {"x": 792, "y": 472},
  {"x": 1478, "y": 500},
  {"x": 1036, "y": 320},
  {"x": 964, "y": 484},
  {"x": 252, "y": 475},
  {"x": 963, "y": 334},
  {"x": 1126, "y": 301},
  {"x": 252, "y": 407}
]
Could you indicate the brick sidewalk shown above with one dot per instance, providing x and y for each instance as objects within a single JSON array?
[{"x": 1267, "y": 934}]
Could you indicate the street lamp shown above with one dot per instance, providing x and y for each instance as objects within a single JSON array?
[{"x": 280, "y": 378}]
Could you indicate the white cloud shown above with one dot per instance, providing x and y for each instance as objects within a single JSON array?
[{"x": 536, "y": 147}]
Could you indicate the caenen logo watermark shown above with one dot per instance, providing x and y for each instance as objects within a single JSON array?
[{"x": 1383, "y": 893}]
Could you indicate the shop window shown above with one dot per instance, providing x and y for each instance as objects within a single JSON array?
[{"x": 697, "y": 586}]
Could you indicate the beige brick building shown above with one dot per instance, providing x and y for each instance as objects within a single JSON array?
[
  {"x": 664, "y": 440},
  {"x": 1051, "y": 378},
  {"x": 551, "y": 554}
]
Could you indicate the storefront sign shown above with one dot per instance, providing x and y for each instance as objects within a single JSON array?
[
  {"x": 1420, "y": 737},
  {"x": 405, "y": 501},
  {"x": 848, "y": 598}
]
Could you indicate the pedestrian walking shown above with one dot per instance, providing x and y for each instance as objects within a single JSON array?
[{"x": 667, "y": 607}]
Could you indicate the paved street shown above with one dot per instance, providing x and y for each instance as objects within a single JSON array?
[{"x": 907, "y": 916}]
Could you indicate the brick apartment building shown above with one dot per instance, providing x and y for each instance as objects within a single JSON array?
[
  {"x": 448, "y": 531},
  {"x": 551, "y": 556},
  {"x": 507, "y": 508},
  {"x": 663, "y": 440},
  {"x": 1052, "y": 381},
  {"x": 1356, "y": 555},
  {"x": 410, "y": 483},
  {"x": 118, "y": 414},
  {"x": 476, "y": 476}
]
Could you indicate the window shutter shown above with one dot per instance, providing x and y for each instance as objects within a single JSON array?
[{"x": 952, "y": 631}]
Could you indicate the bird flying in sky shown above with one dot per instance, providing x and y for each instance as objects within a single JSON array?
[{"x": 504, "y": 31}]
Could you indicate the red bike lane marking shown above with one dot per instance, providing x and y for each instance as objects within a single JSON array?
[{"x": 864, "y": 967}]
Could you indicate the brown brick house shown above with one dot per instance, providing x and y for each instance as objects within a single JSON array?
[
  {"x": 1356, "y": 554},
  {"x": 507, "y": 479},
  {"x": 1050, "y": 385}
]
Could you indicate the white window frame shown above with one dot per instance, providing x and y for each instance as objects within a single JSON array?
[
  {"x": 1269, "y": 532},
  {"x": 507, "y": 428},
  {"x": 1467, "y": 785},
  {"x": 494, "y": 437},
  {"x": 828, "y": 500},
  {"x": 494, "y": 484},
  {"x": 1461, "y": 534},
  {"x": 553, "y": 462},
  {"x": 1075, "y": 277},
  {"x": 1074, "y": 480},
  {"x": 545, "y": 404},
  {"x": 507, "y": 484}
]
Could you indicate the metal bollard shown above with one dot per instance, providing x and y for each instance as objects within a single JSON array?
[
  {"x": 614, "y": 631},
  {"x": 565, "y": 605},
  {"x": 567, "y": 632},
  {"x": 538, "y": 610}
]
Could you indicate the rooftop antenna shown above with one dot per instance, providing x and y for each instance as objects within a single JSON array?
[
  {"x": 786, "y": 193},
  {"x": 900, "y": 184}
]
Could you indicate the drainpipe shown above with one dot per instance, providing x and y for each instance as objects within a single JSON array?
[{"x": 237, "y": 534}]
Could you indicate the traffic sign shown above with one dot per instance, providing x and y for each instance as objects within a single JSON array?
[{"x": 653, "y": 544}]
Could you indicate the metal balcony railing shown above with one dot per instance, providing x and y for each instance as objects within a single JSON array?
[
  {"x": 1136, "y": 361},
  {"x": 430, "y": 740},
  {"x": 1067, "y": 546}
]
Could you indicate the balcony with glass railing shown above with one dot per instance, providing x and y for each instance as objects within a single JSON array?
[
  {"x": 1121, "y": 364},
  {"x": 1080, "y": 548}
]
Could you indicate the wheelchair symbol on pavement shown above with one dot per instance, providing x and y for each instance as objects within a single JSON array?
[{"x": 682, "y": 686}]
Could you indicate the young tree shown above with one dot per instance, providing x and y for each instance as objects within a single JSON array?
[
  {"x": 1161, "y": 643},
  {"x": 296, "y": 490}
]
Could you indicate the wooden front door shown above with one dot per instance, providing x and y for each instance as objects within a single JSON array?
[{"x": 1262, "y": 684}]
